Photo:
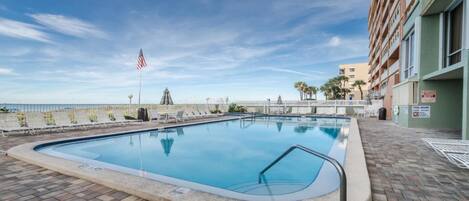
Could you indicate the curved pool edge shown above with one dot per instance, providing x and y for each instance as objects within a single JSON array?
[{"x": 357, "y": 175}]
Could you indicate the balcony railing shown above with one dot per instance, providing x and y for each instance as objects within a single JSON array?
[
  {"x": 395, "y": 18},
  {"x": 384, "y": 75},
  {"x": 394, "y": 67}
]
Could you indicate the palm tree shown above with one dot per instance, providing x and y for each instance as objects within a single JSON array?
[
  {"x": 342, "y": 85},
  {"x": 300, "y": 86},
  {"x": 297, "y": 87},
  {"x": 359, "y": 84},
  {"x": 314, "y": 90}
]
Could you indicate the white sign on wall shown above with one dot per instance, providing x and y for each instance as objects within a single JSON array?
[{"x": 421, "y": 111}]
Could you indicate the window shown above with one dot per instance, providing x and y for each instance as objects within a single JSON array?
[
  {"x": 351, "y": 76},
  {"x": 409, "y": 65},
  {"x": 341, "y": 71},
  {"x": 453, "y": 29},
  {"x": 352, "y": 70}
]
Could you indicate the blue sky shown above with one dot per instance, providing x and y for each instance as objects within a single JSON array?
[{"x": 85, "y": 51}]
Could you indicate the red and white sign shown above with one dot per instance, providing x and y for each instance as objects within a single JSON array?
[{"x": 428, "y": 96}]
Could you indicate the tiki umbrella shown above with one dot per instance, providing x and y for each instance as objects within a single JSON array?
[
  {"x": 279, "y": 100},
  {"x": 166, "y": 144},
  {"x": 166, "y": 99}
]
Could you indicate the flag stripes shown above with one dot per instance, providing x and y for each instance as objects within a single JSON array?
[{"x": 141, "y": 63}]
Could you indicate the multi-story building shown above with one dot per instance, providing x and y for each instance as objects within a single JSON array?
[
  {"x": 355, "y": 72},
  {"x": 434, "y": 66},
  {"x": 385, "y": 25}
]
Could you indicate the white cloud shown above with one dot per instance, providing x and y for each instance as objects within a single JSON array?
[
  {"x": 68, "y": 25},
  {"x": 335, "y": 41},
  {"x": 22, "y": 30},
  {"x": 6, "y": 71}
]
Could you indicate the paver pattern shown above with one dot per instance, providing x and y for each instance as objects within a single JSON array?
[
  {"x": 401, "y": 167},
  {"x": 22, "y": 181}
]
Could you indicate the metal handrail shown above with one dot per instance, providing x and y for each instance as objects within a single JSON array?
[{"x": 335, "y": 163}]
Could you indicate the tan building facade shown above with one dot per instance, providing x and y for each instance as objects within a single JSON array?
[
  {"x": 385, "y": 26},
  {"x": 355, "y": 72}
]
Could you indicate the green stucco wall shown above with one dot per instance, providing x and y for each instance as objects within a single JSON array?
[
  {"x": 429, "y": 45},
  {"x": 446, "y": 111},
  {"x": 465, "y": 108}
]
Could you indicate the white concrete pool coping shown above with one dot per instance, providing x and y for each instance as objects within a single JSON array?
[{"x": 358, "y": 183}]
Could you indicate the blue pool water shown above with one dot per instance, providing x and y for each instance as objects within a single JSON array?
[{"x": 226, "y": 155}]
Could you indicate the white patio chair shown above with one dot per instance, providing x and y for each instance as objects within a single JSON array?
[{"x": 10, "y": 124}]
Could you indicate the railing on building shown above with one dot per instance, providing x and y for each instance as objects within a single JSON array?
[
  {"x": 394, "y": 67},
  {"x": 384, "y": 75}
]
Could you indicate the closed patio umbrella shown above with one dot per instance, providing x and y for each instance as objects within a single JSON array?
[
  {"x": 279, "y": 126},
  {"x": 166, "y": 99},
  {"x": 279, "y": 100},
  {"x": 166, "y": 144}
]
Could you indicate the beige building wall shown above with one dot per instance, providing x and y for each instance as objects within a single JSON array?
[{"x": 355, "y": 72}]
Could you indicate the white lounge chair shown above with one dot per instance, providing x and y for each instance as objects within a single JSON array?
[
  {"x": 189, "y": 116},
  {"x": 35, "y": 121},
  {"x": 62, "y": 120},
  {"x": 430, "y": 141},
  {"x": 120, "y": 117},
  {"x": 359, "y": 112},
  {"x": 155, "y": 116},
  {"x": 179, "y": 116},
  {"x": 442, "y": 149},
  {"x": 459, "y": 159},
  {"x": 9, "y": 124},
  {"x": 103, "y": 117},
  {"x": 341, "y": 111},
  {"x": 83, "y": 118},
  {"x": 197, "y": 115},
  {"x": 208, "y": 114}
]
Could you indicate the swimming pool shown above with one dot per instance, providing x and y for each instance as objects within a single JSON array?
[{"x": 223, "y": 157}]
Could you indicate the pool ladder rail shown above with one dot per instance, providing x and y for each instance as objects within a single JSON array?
[{"x": 335, "y": 163}]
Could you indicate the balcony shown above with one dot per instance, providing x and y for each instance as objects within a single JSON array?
[
  {"x": 394, "y": 67},
  {"x": 384, "y": 75},
  {"x": 395, "y": 18},
  {"x": 382, "y": 91},
  {"x": 395, "y": 42}
]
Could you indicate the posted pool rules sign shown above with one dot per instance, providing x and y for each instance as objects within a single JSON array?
[{"x": 421, "y": 111}]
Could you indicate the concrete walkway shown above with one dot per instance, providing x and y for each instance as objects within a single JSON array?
[{"x": 401, "y": 167}]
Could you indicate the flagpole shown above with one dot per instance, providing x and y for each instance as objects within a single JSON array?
[{"x": 140, "y": 88}]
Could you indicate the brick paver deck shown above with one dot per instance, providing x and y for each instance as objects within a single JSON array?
[
  {"x": 22, "y": 181},
  {"x": 401, "y": 167}
]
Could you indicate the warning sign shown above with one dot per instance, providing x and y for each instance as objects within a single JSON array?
[{"x": 428, "y": 96}]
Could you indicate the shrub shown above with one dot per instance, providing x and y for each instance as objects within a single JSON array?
[{"x": 236, "y": 108}]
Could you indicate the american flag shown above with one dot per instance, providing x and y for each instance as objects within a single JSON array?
[{"x": 141, "y": 63}]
